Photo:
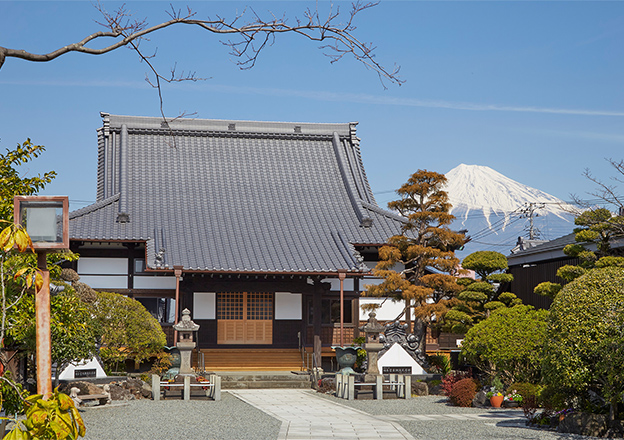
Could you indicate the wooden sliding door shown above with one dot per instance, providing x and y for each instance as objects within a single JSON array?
[{"x": 245, "y": 318}]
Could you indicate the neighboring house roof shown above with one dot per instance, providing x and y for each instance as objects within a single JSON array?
[
  {"x": 234, "y": 196},
  {"x": 553, "y": 250},
  {"x": 549, "y": 250}
]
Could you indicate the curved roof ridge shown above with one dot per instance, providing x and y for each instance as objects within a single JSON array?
[
  {"x": 226, "y": 125},
  {"x": 94, "y": 207},
  {"x": 384, "y": 212}
]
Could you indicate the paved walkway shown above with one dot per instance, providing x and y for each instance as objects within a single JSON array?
[{"x": 305, "y": 416}]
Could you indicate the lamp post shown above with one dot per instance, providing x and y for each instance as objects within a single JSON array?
[{"x": 46, "y": 220}]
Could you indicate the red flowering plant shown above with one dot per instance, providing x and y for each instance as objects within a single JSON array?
[{"x": 513, "y": 396}]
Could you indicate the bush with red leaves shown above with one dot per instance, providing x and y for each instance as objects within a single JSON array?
[
  {"x": 451, "y": 379},
  {"x": 463, "y": 392}
]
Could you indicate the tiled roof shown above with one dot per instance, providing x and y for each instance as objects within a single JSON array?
[
  {"x": 549, "y": 250},
  {"x": 234, "y": 196}
]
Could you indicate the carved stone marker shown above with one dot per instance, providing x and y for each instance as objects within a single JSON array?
[{"x": 396, "y": 333}]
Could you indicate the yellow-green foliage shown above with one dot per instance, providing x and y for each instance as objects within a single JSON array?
[
  {"x": 71, "y": 327},
  {"x": 54, "y": 418},
  {"x": 585, "y": 341},
  {"x": 547, "y": 289},
  {"x": 485, "y": 263},
  {"x": 128, "y": 330},
  {"x": 528, "y": 391},
  {"x": 509, "y": 343},
  {"x": 610, "y": 261}
]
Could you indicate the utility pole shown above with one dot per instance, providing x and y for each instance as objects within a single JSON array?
[{"x": 530, "y": 212}]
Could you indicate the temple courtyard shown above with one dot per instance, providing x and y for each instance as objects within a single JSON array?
[{"x": 291, "y": 414}]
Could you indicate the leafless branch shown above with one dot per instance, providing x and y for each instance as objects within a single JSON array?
[
  {"x": 247, "y": 35},
  {"x": 250, "y": 37}
]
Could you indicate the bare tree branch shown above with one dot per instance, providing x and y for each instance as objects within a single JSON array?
[{"x": 250, "y": 37}]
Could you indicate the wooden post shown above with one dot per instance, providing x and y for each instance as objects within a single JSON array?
[
  {"x": 317, "y": 323},
  {"x": 43, "y": 333},
  {"x": 341, "y": 276},
  {"x": 177, "y": 271}
]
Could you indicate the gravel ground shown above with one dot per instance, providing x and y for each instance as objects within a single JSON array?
[
  {"x": 233, "y": 419},
  {"x": 177, "y": 419},
  {"x": 449, "y": 429}
]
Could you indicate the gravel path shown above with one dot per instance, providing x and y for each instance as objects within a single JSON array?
[
  {"x": 426, "y": 418},
  {"x": 227, "y": 419},
  {"x": 477, "y": 423}
]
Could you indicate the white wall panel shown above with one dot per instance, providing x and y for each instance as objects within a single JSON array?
[
  {"x": 105, "y": 282},
  {"x": 388, "y": 312},
  {"x": 287, "y": 305},
  {"x": 204, "y": 305},
  {"x": 335, "y": 284},
  {"x": 102, "y": 266},
  {"x": 152, "y": 282}
]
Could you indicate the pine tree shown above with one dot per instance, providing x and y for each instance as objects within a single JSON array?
[{"x": 417, "y": 266}]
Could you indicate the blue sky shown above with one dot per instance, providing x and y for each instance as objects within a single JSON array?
[{"x": 532, "y": 89}]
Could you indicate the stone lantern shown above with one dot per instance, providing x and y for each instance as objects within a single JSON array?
[
  {"x": 372, "y": 329},
  {"x": 185, "y": 344}
]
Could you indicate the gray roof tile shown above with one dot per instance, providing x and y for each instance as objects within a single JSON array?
[{"x": 261, "y": 198}]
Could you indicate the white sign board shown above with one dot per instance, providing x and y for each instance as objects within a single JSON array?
[
  {"x": 87, "y": 368},
  {"x": 396, "y": 356}
]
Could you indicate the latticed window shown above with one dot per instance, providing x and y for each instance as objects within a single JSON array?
[
  {"x": 259, "y": 305},
  {"x": 230, "y": 305}
]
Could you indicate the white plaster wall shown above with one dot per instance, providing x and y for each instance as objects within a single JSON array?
[
  {"x": 152, "y": 282},
  {"x": 204, "y": 305},
  {"x": 105, "y": 282},
  {"x": 335, "y": 284},
  {"x": 397, "y": 267},
  {"x": 388, "y": 312},
  {"x": 288, "y": 305},
  {"x": 102, "y": 266}
]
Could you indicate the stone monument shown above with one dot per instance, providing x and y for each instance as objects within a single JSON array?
[
  {"x": 396, "y": 333},
  {"x": 185, "y": 329}
]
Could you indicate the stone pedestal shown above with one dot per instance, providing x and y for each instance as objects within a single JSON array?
[
  {"x": 372, "y": 352},
  {"x": 186, "y": 348}
]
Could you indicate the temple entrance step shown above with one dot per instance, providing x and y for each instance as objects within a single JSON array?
[
  {"x": 247, "y": 359},
  {"x": 267, "y": 379}
]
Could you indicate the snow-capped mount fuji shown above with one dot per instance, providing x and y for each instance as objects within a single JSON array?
[{"x": 496, "y": 210}]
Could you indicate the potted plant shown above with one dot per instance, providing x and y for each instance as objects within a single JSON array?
[
  {"x": 512, "y": 399},
  {"x": 496, "y": 398}
]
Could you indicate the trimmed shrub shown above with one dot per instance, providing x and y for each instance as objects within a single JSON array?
[
  {"x": 463, "y": 392},
  {"x": 509, "y": 343},
  {"x": 451, "y": 379},
  {"x": 585, "y": 342},
  {"x": 528, "y": 391},
  {"x": 553, "y": 398}
]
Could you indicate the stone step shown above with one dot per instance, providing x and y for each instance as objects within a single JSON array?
[
  {"x": 265, "y": 379},
  {"x": 265, "y": 384},
  {"x": 262, "y": 376}
]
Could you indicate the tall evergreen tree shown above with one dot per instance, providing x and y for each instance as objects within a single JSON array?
[{"x": 417, "y": 266}]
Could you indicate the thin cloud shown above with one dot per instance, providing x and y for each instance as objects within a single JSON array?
[
  {"x": 331, "y": 97},
  {"x": 408, "y": 102}
]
